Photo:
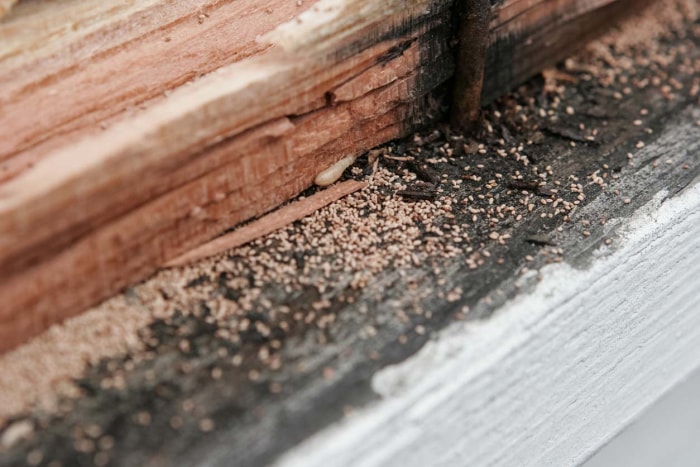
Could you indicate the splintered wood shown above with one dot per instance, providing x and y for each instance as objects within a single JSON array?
[
  {"x": 132, "y": 132},
  {"x": 115, "y": 204},
  {"x": 269, "y": 223}
]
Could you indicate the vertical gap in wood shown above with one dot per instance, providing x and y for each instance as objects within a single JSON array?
[{"x": 473, "y": 18}]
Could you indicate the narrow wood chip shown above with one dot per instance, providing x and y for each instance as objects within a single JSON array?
[{"x": 269, "y": 223}]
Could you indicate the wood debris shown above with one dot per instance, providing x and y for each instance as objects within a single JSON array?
[{"x": 270, "y": 222}]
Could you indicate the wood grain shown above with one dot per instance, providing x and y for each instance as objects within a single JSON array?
[
  {"x": 114, "y": 231},
  {"x": 117, "y": 59},
  {"x": 5, "y": 6},
  {"x": 131, "y": 133},
  {"x": 269, "y": 223},
  {"x": 529, "y": 35}
]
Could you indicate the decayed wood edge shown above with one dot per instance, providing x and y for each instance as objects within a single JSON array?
[
  {"x": 105, "y": 178},
  {"x": 270, "y": 222},
  {"x": 529, "y": 36},
  {"x": 135, "y": 244},
  {"x": 127, "y": 55}
]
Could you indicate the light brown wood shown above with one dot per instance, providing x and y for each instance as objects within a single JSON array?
[
  {"x": 229, "y": 146},
  {"x": 270, "y": 222},
  {"x": 110, "y": 58},
  {"x": 133, "y": 132}
]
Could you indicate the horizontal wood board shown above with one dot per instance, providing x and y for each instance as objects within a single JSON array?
[{"x": 278, "y": 105}]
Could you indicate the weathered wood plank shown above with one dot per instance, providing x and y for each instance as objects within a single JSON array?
[
  {"x": 118, "y": 57},
  {"x": 279, "y": 108},
  {"x": 531, "y": 35},
  {"x": 214, "y": 189}
]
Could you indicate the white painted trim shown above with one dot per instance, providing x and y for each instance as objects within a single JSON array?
[{"x": 553, "y": 375}]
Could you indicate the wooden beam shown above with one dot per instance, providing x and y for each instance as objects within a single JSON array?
[
  {"x": 263, "y": 147},
  {"x": 527, "y": 36},
  {"x": 473, "y": 17},
  {"x": 99, "y": 189},
  {"x": 93, "y": 60}
]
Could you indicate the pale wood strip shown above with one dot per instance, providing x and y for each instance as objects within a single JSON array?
[{"x": 270, "y": 222}]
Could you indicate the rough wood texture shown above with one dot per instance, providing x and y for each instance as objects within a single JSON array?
[
  {"x": 186, "y": 398},
  {"x": 115, "y": 204},
  {"x": 269, "y": 223},
  {"x": 263, "y": 146},
  {"x": 92, "y": 60},
  {"x": 5, "y": 6},
  {"x": 530, "y": 35}
]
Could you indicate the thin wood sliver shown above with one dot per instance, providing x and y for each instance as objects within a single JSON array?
[{"x": 270, "y": 222}]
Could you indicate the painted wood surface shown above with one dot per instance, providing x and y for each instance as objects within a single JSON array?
[{"x": 603, "y": 344}]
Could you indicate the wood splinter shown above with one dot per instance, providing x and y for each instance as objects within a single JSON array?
[{"x": 269, "y": 223}]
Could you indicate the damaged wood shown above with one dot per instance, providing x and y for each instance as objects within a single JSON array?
[
  {"x": 251, "y": 352},
  {"x": 191, "y": 120},
  {"x": 227, "y": 147},
  {"x": 473, "y": 17},
  {"x": 526, "y": 37}
]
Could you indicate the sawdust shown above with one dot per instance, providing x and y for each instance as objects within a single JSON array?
[
  {"x": 643, "y": 29},
  {"x": 38, "y": 373},
  {"x": 269, "y": 223}
]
